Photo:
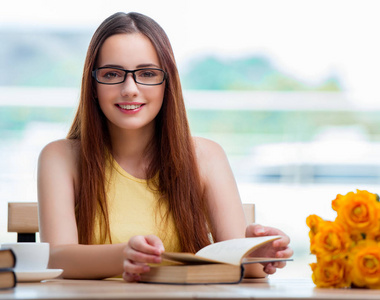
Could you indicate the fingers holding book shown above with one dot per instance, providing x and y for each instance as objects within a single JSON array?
[
  {"x": 271, "y": 268},
  {"x": 139, "y": 252},
  {"x": 278, "y": 248}
]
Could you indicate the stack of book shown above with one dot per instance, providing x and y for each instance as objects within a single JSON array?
[{"x": 7, "y": 274}]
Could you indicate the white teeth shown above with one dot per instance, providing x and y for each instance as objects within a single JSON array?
[{"x": 130, "y": 106}]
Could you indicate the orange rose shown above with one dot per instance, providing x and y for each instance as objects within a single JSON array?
[
  {"x": 330, "y": 273},
  {"x": 330, "y": 241},
  {"x": 358, "y": 212},
  {"x": 365, "y": 261},
  {"x": 313, "y": 222}
]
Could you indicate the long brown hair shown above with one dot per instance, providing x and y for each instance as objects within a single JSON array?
[{"x": 171, "y": 151}]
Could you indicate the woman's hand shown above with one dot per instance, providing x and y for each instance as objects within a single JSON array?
[
  {"x": 140, "y": 251},
  {"x": 278, "y": 248}
]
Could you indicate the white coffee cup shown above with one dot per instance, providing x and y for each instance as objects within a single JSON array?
[{"x": 29, "y": 256}]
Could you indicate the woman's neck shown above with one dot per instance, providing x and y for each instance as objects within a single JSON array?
[{"x": 129, "y": 149}]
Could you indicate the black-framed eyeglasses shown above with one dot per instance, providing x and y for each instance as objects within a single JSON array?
[{"x": 114, "y": 75}]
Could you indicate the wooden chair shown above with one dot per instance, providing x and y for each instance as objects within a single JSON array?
[
  {"x": 249, "y": 211},
  {"x": 23, "y": 219}
]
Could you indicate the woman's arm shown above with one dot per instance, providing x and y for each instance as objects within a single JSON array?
[
  {"x": 57, "y": 178},
  {"x": 227, "y": 216}
]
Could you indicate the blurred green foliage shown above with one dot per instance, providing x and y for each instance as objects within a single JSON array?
[
  {"x": 42, "y": 58},
  {"x": 250, "y": 73},
  {"x": 238, "y": 131},
  {"x": 14, "y": 119}
]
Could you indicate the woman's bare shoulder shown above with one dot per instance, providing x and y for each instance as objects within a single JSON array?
[
  {"x": 210, "y": 156},
  {"x": 62, "y": 147},
  {"x": 64, "y": 151},
  {"x": 207, "y": 149}
]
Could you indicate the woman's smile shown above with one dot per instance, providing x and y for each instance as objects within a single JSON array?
[{"x": 129, "y": 108}]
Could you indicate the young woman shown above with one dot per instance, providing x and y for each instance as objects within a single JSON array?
[{"x": 129, "y": 181}]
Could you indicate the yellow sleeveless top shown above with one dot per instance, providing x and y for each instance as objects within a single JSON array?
[{"x": 133, "y": 210}]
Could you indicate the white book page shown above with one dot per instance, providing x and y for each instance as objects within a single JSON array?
[{"x": 232, "y": 251}]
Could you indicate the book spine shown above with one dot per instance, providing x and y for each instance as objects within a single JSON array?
[
  {"x": 241, "y": 274},
  {"x": 9, "y": 279},
  {"x": 7, "y": 263},
  {"x": 14, "y": 258}
]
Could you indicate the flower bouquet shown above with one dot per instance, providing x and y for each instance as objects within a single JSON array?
[{"x": 347, "y": 249}]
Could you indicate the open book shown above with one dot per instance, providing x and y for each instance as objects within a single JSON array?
[{"x": 220, "y": 262}]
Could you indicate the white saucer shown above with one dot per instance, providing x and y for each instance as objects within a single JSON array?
[{"x": 31, "y": 276}]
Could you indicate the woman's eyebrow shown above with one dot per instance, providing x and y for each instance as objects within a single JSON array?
[
  {"x": 112, "y": 66},
  {"x": 148, "y": 65}
]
